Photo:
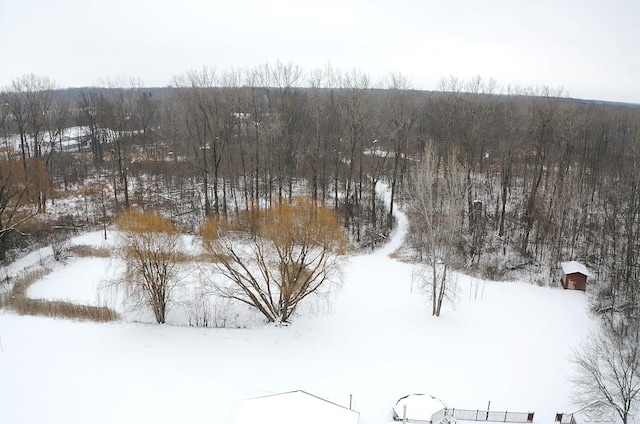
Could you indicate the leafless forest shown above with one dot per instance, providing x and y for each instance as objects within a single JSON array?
[{"x": 540, "y": 177}]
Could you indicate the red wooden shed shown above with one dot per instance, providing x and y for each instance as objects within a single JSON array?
[{"x": 574, "y": 275}]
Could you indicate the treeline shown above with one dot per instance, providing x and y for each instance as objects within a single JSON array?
[{"x": 547, "y": 178}]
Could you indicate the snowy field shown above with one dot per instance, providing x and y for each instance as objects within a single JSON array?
[{"x": 378, "y": 342}]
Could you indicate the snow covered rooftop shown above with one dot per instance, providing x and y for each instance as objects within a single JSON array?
[
  {"x": 419, "y": 407},
  {"x": 294, "y": 408},
  {"x": 573, "y": 267}
]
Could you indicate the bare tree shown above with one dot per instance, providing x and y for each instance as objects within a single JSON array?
[
  {"x": 399, "y": 117},
  {"x": 59, "y": 115},
  {"x": 273, "y": 259},
  {"x": 15, "y": 206},
  {"x": 436, "y": 193},
  {"x": 119, "y": 108},
  {"x": 29, "y": 99},
  {"x": 358, "y": 107},
  {"x": 608, "y": 369},
  {"x": 90, "y": 103},
  {"x": 543, "y": 123},
  {"x": 150, "y": 247}
]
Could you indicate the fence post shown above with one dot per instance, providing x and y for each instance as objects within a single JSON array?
[
  {"x": 477, "y": 412},
  {"x": 505, "y": 416}
]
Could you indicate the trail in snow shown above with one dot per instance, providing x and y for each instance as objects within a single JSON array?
[
  {"x": 369, "y": 330},
  {"x": 402, "y": 223},
  {"x": 377, "y": 284}
]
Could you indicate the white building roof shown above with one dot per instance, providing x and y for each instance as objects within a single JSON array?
[
  {"x": 573, "y": 267},
  {"x": 294, "y": 408}
]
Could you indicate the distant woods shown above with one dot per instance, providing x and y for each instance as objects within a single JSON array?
[{"x": 544, "y": 178}]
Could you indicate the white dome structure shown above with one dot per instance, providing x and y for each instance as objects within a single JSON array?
[{"x": 418, "y": 406}]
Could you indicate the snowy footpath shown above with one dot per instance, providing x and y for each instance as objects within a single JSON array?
[{"x": 377, "y": 342}]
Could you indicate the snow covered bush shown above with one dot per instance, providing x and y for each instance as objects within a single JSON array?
[{"x": 61, "y": 249}]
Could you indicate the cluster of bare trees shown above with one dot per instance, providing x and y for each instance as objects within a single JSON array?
[
  {"x": 255, "y": 136},
  {"x": 546, "y": 178},
  {"x": 30, "y": 118},
  {"x": 271, "y": 259},
  {"x": 218, "y": 142}
]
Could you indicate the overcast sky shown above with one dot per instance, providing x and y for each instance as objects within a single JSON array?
[{"x": 590, "y": 48}]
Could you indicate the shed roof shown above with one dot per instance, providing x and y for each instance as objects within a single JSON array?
[
  {"x": 294, "y": 408},
  {"x": 573, "y": 267}
]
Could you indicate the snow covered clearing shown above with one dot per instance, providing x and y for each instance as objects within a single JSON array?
[
  {"x": 64, "y": 284},
  {"x": 378, "y": 342}
]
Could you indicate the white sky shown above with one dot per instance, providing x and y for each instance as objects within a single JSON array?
[{"x": 591, "y": 48}]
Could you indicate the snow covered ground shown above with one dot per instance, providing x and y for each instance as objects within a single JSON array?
[
  {"x": 63, "y": 283},
  {"x": 378, "y": 342}
]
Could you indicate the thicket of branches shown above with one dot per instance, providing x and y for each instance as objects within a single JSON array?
[{"x": 607, "y": 369}]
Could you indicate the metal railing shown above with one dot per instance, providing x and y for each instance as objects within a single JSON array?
[{"x": 483, "y": 415}]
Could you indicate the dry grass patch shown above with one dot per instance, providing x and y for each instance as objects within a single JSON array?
[
  {"x": 402, "y": 257},
  {"x": 18, "y": 301},
  {"x": 27, "y": 279},
  {"x": 61, "y": 309},
  {"x": 209, "y": 258},
  {"x": 182, "y": 258},
  {"x": 85, "y": 251}
]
